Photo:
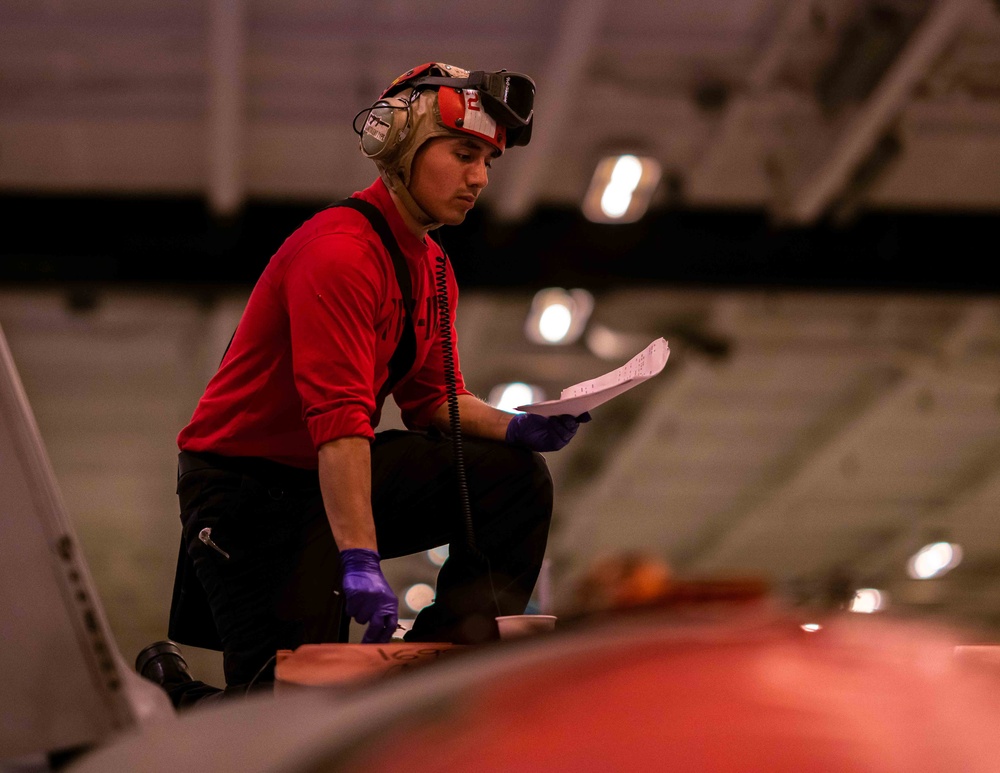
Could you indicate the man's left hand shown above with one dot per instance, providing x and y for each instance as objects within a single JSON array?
[{"x": 544, "y": 433}]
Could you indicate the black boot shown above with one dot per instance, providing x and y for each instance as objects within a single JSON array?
[{"x": 163, "y": 664}]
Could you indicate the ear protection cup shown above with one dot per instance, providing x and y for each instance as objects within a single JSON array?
[{"x": 386, "y": 127}]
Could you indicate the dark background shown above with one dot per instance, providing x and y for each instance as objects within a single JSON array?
[{"x": 176, "y": 242}]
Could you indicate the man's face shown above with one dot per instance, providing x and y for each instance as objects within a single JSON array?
[{"x": 448, "y": 175}]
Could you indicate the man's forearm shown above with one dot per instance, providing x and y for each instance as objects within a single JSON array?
[
  {"x": 345, "y": 478},
  {"x": 478, "y": 418}
]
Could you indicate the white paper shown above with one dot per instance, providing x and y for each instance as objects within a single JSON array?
[{"x": 581, "y": 397}]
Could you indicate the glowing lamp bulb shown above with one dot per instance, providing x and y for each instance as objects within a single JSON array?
[{"x": 555, "y": 322}]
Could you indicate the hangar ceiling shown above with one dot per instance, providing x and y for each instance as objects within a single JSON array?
[{"x": 800, "y": 108}]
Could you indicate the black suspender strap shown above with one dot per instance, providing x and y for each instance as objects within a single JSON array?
[{"x": 406, "y": 351}]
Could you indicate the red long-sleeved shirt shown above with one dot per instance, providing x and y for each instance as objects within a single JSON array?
[{"x": 312, "y": 348}]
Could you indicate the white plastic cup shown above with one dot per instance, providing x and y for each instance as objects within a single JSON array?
[{"x": 518, "y": 626}]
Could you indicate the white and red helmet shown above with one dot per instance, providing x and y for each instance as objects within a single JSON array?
[{"x": 435, "y": 100}]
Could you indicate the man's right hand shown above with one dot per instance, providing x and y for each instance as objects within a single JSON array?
[{"x": 368, "y": 597}]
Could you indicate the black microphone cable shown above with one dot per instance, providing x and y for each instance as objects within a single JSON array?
[{"x": 454, "y": 420}]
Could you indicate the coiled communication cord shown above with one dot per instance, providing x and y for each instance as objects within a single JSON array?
[{"x": 454, "y": 420}]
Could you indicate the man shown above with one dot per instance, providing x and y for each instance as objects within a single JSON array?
[{"x": 289, "y": 499}]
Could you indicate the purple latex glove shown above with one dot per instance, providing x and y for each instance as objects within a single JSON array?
[
  {"x": 368, "y": 597},
  {"x": 544, "y": 433}
]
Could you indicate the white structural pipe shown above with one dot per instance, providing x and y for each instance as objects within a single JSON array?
[{"x": 226, "y": 114}]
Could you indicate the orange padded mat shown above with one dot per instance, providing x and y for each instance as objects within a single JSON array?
[{"x": 320, "y": 665}]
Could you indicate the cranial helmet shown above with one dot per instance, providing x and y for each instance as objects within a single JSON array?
[{"x": 439, "y": 100}]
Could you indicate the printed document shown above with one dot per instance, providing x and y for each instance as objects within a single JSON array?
[{"x": 582, "y": 397}]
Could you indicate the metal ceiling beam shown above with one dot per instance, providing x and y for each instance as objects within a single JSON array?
[
  {"x": 738, "y": 111},
  {"x": 953, "y": 117},
  {"x": 872, "y": 405},
  {"x": 559, "y": 87},
  {"x": 821, "y": 188},
  {"x": 977, "y": 483},
  {"x": 978, "y": 480},
  {"x": 227, "y": 96}
]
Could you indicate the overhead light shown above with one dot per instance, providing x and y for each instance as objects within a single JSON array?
[
  {"x": 621, "y": 189},
  {"x": 558, "y": 316},
  {"x": 934, "y": 560},
  {"x": 867, "y": 600},
  {"x": 507, "y": 397}
]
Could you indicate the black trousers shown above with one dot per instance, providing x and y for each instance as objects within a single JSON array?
[{"x": 271, "y": 574}]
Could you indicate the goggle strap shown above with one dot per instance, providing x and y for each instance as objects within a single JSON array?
[
  {"x": 433, "y": 80},
  {"x": 476, "y": 80}
]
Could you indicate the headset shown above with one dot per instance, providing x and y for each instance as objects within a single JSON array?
[{"x": 385, "y": 127}]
